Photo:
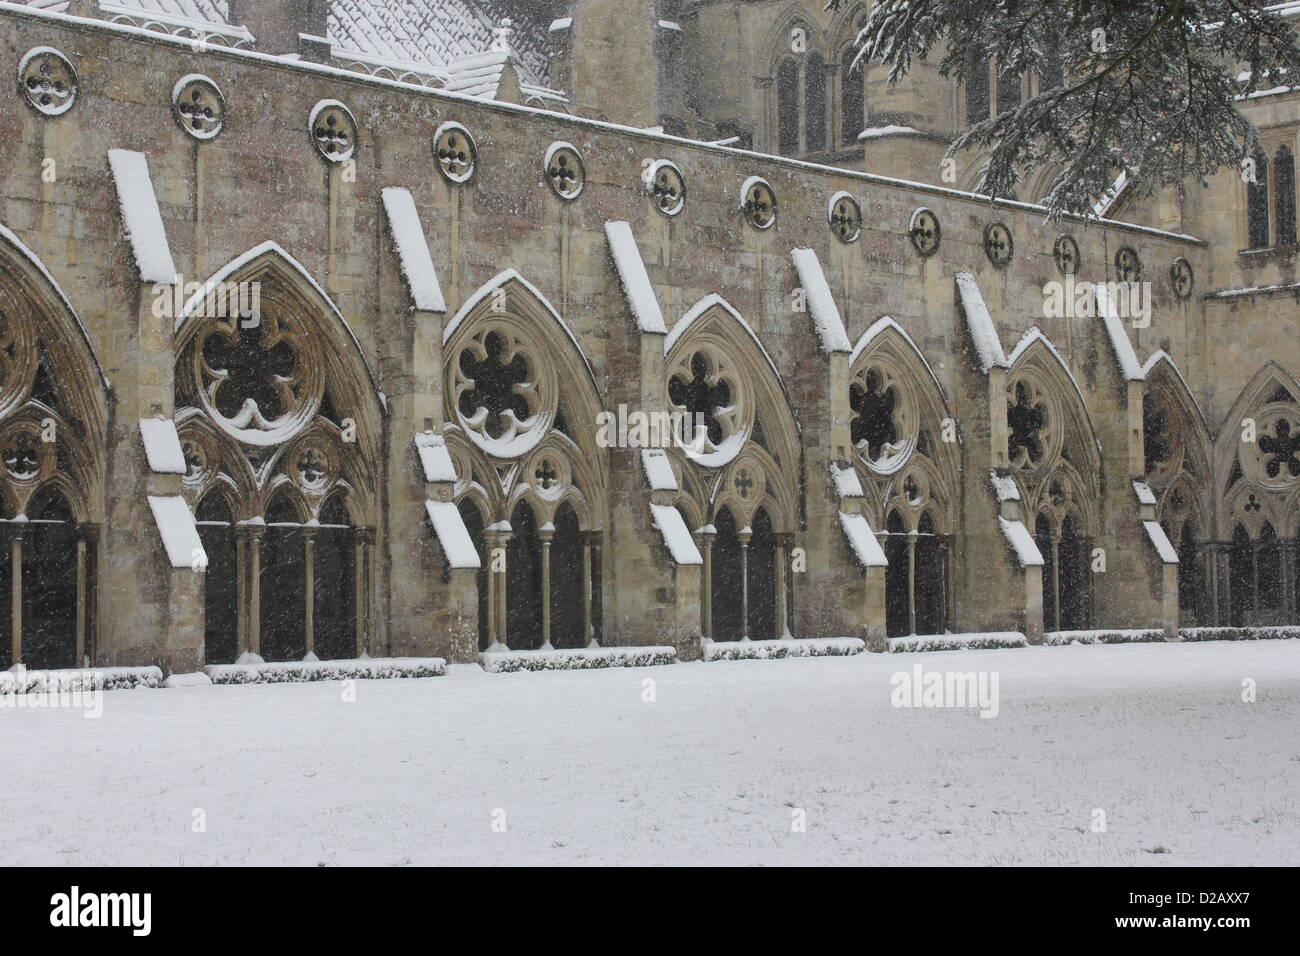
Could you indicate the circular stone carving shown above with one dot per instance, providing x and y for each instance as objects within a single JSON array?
[
  {"x": 925, "y": 232},
  {"x": 333, "y": 131},
  {"x": 456, "y": 152},
  {"x": 48, "y": 81},
  {"x": 705, "y": 384},
  {"x": 1128, "y": 266},
  {"x": 1273, "y": 459},
  {"x": 759, "y": 203},
  {"x": 883, "y": 423},
  {"x": 1065, "y": 252},
  {"x": 198, "y": 106},
  {"x": 666, "y": 186},
  {"x": 845, "y": 217},
  {"x": 564, "y": 171},
  {"x": 998, "y": 244},
  {"x": 505, "y": 399},
  {"x": 1183, "y": 278}
]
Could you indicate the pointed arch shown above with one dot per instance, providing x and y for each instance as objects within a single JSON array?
[
  {"x": 1258, "y": 481},
  {"x": 1176, "y": 441}
]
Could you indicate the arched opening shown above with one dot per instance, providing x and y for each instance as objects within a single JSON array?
[
  {"x": 977, "y": 86},
  {"x": 1257, "y": 204},
  {"x": 728, "y": 582},
  {"x": 1073, "y": 591},
  {"x": 566, "y": 580},
  {"x": 1284, "y": 192},
  {"x": 1268, "y": 573},
  {"x": 220, "y": 601},
  {"x": 931, "y": 572},
  {"x": 762, "y": 578},
  {"x": 814, "y": 103},
  {"x": 1241, "y": 577},
  {"x": 787, "y": 107},
  {"x": 283, "y": 583},
  {"x": 49, "y": 577},
  {"x": 1046, "y": 546},
  {"x": 852, "y": 99},
  {"x": 523, "y": 581},
  {"x": 473, "y": 519},
  {"x": 334, "y": 583},
  {"x": 897, "y": 578}
]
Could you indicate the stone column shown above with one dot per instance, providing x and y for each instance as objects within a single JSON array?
[
  {"x": 784, "y": 543},
  {"x": 706, "y": 584},
  {"x": 588, "y": 633},
  {"x": 744, "y": 537},
  {"x": 16, "y": 591},
  {"x": 546, "y": 535},
  {"x": 309, "y": 583},
  {"x": 255, "y": 534}
]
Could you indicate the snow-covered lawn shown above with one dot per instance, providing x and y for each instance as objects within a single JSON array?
[{"x": 585, "y": 771}]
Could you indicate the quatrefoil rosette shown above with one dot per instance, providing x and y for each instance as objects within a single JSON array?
[
  {"x": 704, "y": 380},
  {"x": 261, "y": 385},
  {"x": 26, "y": 457},
  {"x": 877, "y": 389},
  {"x": 1271, "y": 459},
  {"x": 503, "y": 398}
]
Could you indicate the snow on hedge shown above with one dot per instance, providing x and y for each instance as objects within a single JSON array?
[
  {"x": 19, "y": 680},
  {"x": 141, "y": 216},
  {"x": 917, "y": 643},
  {"x": 636, "y": 281},
  {"x": 162, "y": 446},
  {"x": 413, "y": 250},
  {"x": 983, "y": 332},
  {"x": 198, "y": 679},
  {"x": 1130, "y": 636},
  {"x": 584, "y": 658},
  {"x": 780, "y": 649},
  {"x": 821, "y": 304},
  {"x": 289, "y": 672},
  {"x": 1283, "y": 633}
]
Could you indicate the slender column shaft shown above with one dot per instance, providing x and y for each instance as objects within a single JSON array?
[
  {"x": 16, "y": 595},
  {"x": 309, "y": 584},
  {"x": 546, "y": 588},
  {"x": 588, "y": 635},
  {"x": 81, "y": 602}
]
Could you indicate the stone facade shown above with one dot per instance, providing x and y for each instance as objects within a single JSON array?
[{"x": 364, "y": 389}]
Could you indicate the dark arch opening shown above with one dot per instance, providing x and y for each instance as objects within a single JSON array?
[
  {"x": 930, "y": 578},
  {"x": 566, "y": 580},
  {"x": 473, "y": 519},
  {"x": 897, "y": 583},
  {"x": 50, "y": 583},
  {"x": 787, "y": 107},
  {"x": 334, "y": 583},
  {"x": 1074, "y": 576},
  {"x": 727, "y": 581},
  {"x": 1189, "y": 575},
  {"x": 762, "y": 579},
  {"x": 1269, "y": 563},
  {"x": 220, "y": 605},
  {"x": 283, "y": 583},
  {"x": 523, "y": 582},
  {"x": 1241, "y": 576},
  {"x": 1043, "y": 538}
]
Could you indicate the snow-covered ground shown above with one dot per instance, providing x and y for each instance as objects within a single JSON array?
[{"x": 581, "y": 769}]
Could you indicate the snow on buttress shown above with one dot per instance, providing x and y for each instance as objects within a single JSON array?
[
  {"x": 179, "y": 535},
  {"x": 982, "y": 330},
  {"x": 434, "y": 457},
  {"x": 658, "y": 470},
  {"x": 162, "y": 446},
  {"x": 679, "y": 541},
  {"x": 847, "y": 483},
  {"x": 825, "y": 314},
  {"x": 144, "y": 224},
  {"x": 636, "y": 281},
  {"x": 452, "y": 534},
  {"x": 1119, "y": 340},
  {"x": 413, "y": 250},
  {"x": 1161, "y": 541},
  {"x": 1022, "y": 542},
  {"x": 863, "y": 540},
  {"x": 1006, "y": 487},
  {"x": 1145, "y": 495}
]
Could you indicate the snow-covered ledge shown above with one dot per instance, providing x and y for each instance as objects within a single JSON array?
[
  {"x": 141, "y": 216},
  {"x": 413, "y": 251}
]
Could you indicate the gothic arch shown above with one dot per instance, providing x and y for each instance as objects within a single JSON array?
[
  {"x": 1258, "y": 481},
  {"x": 53, "y": 430},
  {"x": 522, "y": 406},
  {"x": 897, "y": 425},
  {"x": 1176, "y": 442},
  {"x": 278, "y": 411},
  {"x": 1051, "y": 444}
]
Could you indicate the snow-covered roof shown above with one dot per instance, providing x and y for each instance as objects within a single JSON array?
[
  {"x": 180, "y": 536},
  {"x": 1022, "y": 543},
  {"x": 825, "y": 314}
]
